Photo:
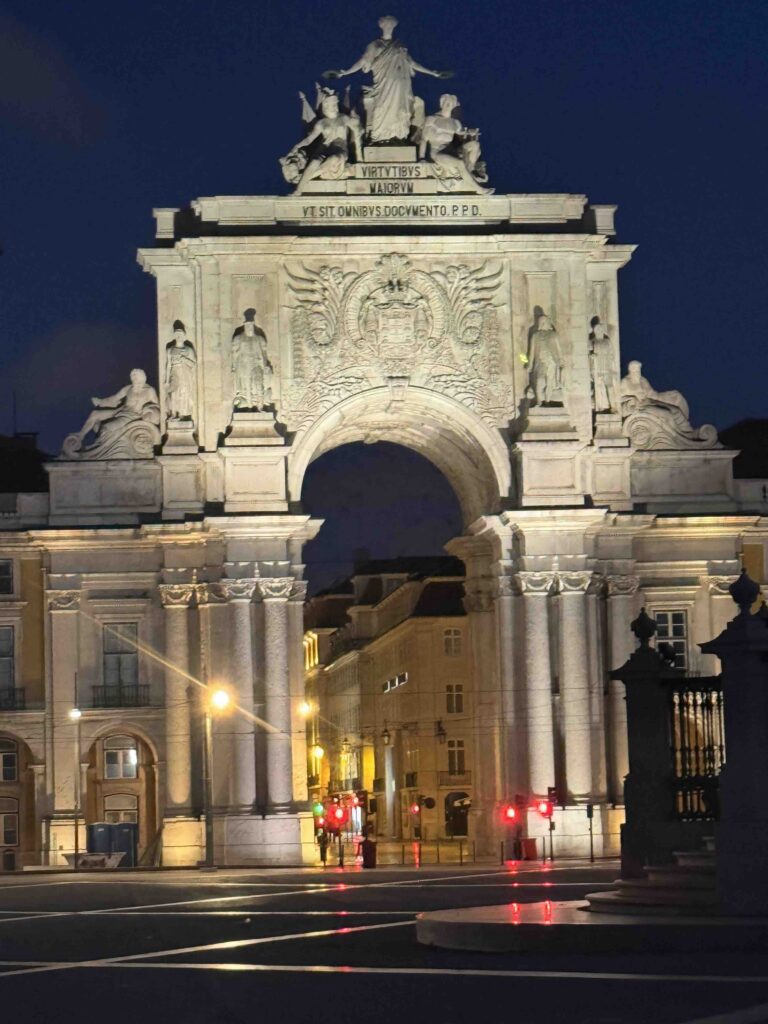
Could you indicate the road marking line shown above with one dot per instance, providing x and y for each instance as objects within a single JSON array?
[{"x": 232, "y": 944}]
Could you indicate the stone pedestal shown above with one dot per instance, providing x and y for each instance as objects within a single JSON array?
[
  {"x": 253, "y": 428},
  {"x": 183, "y": 842},
  {"x": 608, "y": 428},
  {"x": 180, "y": 438},
  {"x": 284, "y": 840}
]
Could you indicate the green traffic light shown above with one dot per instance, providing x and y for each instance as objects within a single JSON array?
[{"x": 318, "y": 808}]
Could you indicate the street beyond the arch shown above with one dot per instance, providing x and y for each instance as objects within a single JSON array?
[{"x": 228, "y": 945}]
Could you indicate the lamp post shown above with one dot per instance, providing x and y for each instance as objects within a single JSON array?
[
  {"x": 75, "y": 715},
  {"x": 217, "y": 700}
]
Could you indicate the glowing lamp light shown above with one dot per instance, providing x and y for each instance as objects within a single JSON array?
[
  {"x": 510, "y": 813},
  {"x": 305, "y": 709},
  {"x": 338, "y": 813},
  {"x": 75, "y": 714},
  {"x": 320, "y": 821},
  {"x": 220, "y": 700},
  {"x": 318, "y": 752},
  {"x": 415, "y": 809},
  {"x": 544, "y": 807}
]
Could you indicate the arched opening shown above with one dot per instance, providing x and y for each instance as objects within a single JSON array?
[
  {"x": 122, "y": 785},
  {"x": 18, "y": 834}
]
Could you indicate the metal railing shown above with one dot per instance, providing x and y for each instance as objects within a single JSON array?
[
  {"x": 698, "y": 746},
  {"x": 121, "y": 696},
  {"x": 12, "y": 700}
]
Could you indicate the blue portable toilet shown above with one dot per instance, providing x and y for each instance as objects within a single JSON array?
[
  {"x": 99, "y": 837},
  {"x": 125, "y": 839}
]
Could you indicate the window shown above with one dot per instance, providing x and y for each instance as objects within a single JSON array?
[
  {"x": 121, "y": 659},
  {"x": 9, "y": 761},
  {"x": 9, "y": 822},
  {"x": 672, "y": 629},
  {"x": 121, "y": 758},
  {"x": 7, "y": 669},
  {"x": 454, "y": 698},
  {"x": 451, "y": 642},
  {"x": 456, "y": 757},
  {"x": 121, "y": 807},
  {"x": 6, "y": 576},
  {"x": 395, "y": 681}
]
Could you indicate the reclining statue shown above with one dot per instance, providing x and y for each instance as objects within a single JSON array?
[
  {"x": 124, "y": 425},
  {"x": 655, "y": 420}
]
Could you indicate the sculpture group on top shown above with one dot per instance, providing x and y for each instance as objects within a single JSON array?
[
  {"x": 341, "y": 133},
  {"x": 656, "y": 420}
]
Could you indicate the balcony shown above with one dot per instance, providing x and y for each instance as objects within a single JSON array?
[
  {"x": 121, "y": 696},
  {"x": 454, "y": 778},
  {"x": 12, "y": 700}
]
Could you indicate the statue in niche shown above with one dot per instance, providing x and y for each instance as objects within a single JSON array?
[
  {"x": 454, "y": 150},
  {"x": 389, "y": 102},
  {"x": 251, "y": 366},
  {"x": 125, "y": 425},
  {"x": 659, "y": 419},
  {"x": 603, "y": 368},
  {"x": 327, "y": 148},
  {"x": 180, "y": 375},
  {"x": 545, "y": 363}
]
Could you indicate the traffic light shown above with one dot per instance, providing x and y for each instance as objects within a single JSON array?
[
  {"x": 553, "y": 796},
  {"x": 317, "y": 808},
  {"x": 545, "y": 808},
  {"x": 511, "y": 816},
  {"x": 415, "y": 808},
  {"x": 338, "y": 815}
]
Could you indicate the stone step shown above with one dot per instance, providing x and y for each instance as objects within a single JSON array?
[
  {"x": 695, "y": 859},
  {"x": 616, "y": 903},
  {"x": 647, "y": 893},
  {"x": 681, "y": 878}
]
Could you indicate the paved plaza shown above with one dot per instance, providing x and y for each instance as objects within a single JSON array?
[{"x": 230, "y": 945}]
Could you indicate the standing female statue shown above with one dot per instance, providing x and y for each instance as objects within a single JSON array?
[
  {"x": 388, "y": 102},
  {"x": 180, "y": 375}
]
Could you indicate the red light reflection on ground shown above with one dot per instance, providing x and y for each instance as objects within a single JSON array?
[
  {"x": 514, "y": 909},
  {"x": 548, "y": 912}
]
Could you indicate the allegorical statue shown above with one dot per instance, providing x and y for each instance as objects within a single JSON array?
[
  {"x": 327, "y": 148},
  {"x": 454, "y": 150},
  {"x": 389, "y": 101},
  {"x": 251, "y": 367},
  {"x": 603, "y": 368},
  {"x": 545, "y": 363},
  {"x": 659, "y": 419},
  {"x": 180, "y": 375},
  {"x": 124, "y": 425}
]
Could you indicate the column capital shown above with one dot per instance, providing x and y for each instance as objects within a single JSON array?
[
  {"x": 508, "y": 586},
  {"x": 63, "y": 600},
  {"x": 237, "y": 589},
  {"x": 622, "y": 586},
  {"x": 577, "y": 582},
  {"x": 278, "y": 588},
  {"x": 540, "y": 584},
  {"x": 720, "y": 584},
  {"x": 177, "y": 595},
  {"x": 299, "y": 591},
  {"x": 479, "y": 595}
]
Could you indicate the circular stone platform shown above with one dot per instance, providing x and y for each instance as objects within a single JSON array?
[{"x": 567, "y": 927}]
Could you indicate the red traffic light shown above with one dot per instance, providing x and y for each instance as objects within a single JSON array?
[
  {"x": 545, "y": 808},
  {"x": 510, "y": 813},
  {"x": 339, "y": 814},
  {"x": 415, "y": 808}
]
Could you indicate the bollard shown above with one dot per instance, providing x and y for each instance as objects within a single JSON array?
[
  {"x": 438, "y": 851},
  {"x": 461, "y": 852},
  {"x": 402, "y": 854},
  {"x": 502, "y": 851}
]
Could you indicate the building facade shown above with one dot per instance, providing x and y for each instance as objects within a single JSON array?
[{"x": 391, "y": 297}]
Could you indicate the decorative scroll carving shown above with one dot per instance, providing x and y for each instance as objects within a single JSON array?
[
  {"x": 658, "y": 420},
  {"x": 209, "y": 594},
  {"x": 63, "y": 600},
  {"x": 177, "y": 595},
  {"x": 278, "y": 588},
  {"x": 622, "y": 586},
  {"x": 576, "y": 582},
  {"x": 238, "y": 590},
  {"x": 541, "y": 583},
  {"x": 352, "y": 331},
  {"x": 721, "y": 584},
  {"x": 124, "y": 425}
]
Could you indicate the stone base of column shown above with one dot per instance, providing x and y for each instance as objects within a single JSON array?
[
  {"x": 183, "y": 842},
  {"x": 277, "y": 840},
  {"x": 571, "y": 835}
]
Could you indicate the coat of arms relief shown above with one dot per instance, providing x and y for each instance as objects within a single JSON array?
[{"x": 353, "y": 331}]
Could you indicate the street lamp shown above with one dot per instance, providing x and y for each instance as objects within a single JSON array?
[
  {"x": 75, "y": 714},
  {"x": 217, "y": 701},
  {"x": 305, "y": 709}
]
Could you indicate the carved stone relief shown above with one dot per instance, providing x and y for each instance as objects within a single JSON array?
[
  {"x": 122, "y": 426},
  {"x": 353, "y": 331}
]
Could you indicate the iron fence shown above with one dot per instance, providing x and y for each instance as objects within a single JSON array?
[{"x": 698, "y": 746}]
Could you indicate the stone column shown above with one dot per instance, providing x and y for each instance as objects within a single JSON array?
[
  {"x": 275, "y": 593},
  {"x": 239, "y": 723},
  {"x": 574, "y": 684},
  {"x": 537, "y": 586},
  {"x": 296, "y": 673},
  {"x": 510, "y": 742},
  {"x": 64, "y": 611},
  {"x": 176, "y": 598},
  {"x": 621, "y": 612}
]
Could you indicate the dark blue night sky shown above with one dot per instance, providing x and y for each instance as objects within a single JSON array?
[{"x": 109, "y": 109}]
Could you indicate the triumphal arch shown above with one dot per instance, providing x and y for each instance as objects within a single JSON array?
[{"x": 390, "y": 294}]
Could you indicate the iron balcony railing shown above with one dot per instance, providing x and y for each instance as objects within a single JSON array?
[
  {"x": 12, "y": 700},
  {"x": 121, "y": 696},
  {"x": 697, "y": 729}
]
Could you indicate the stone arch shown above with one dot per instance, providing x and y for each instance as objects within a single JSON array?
[{"x": 470, "y": 453}]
